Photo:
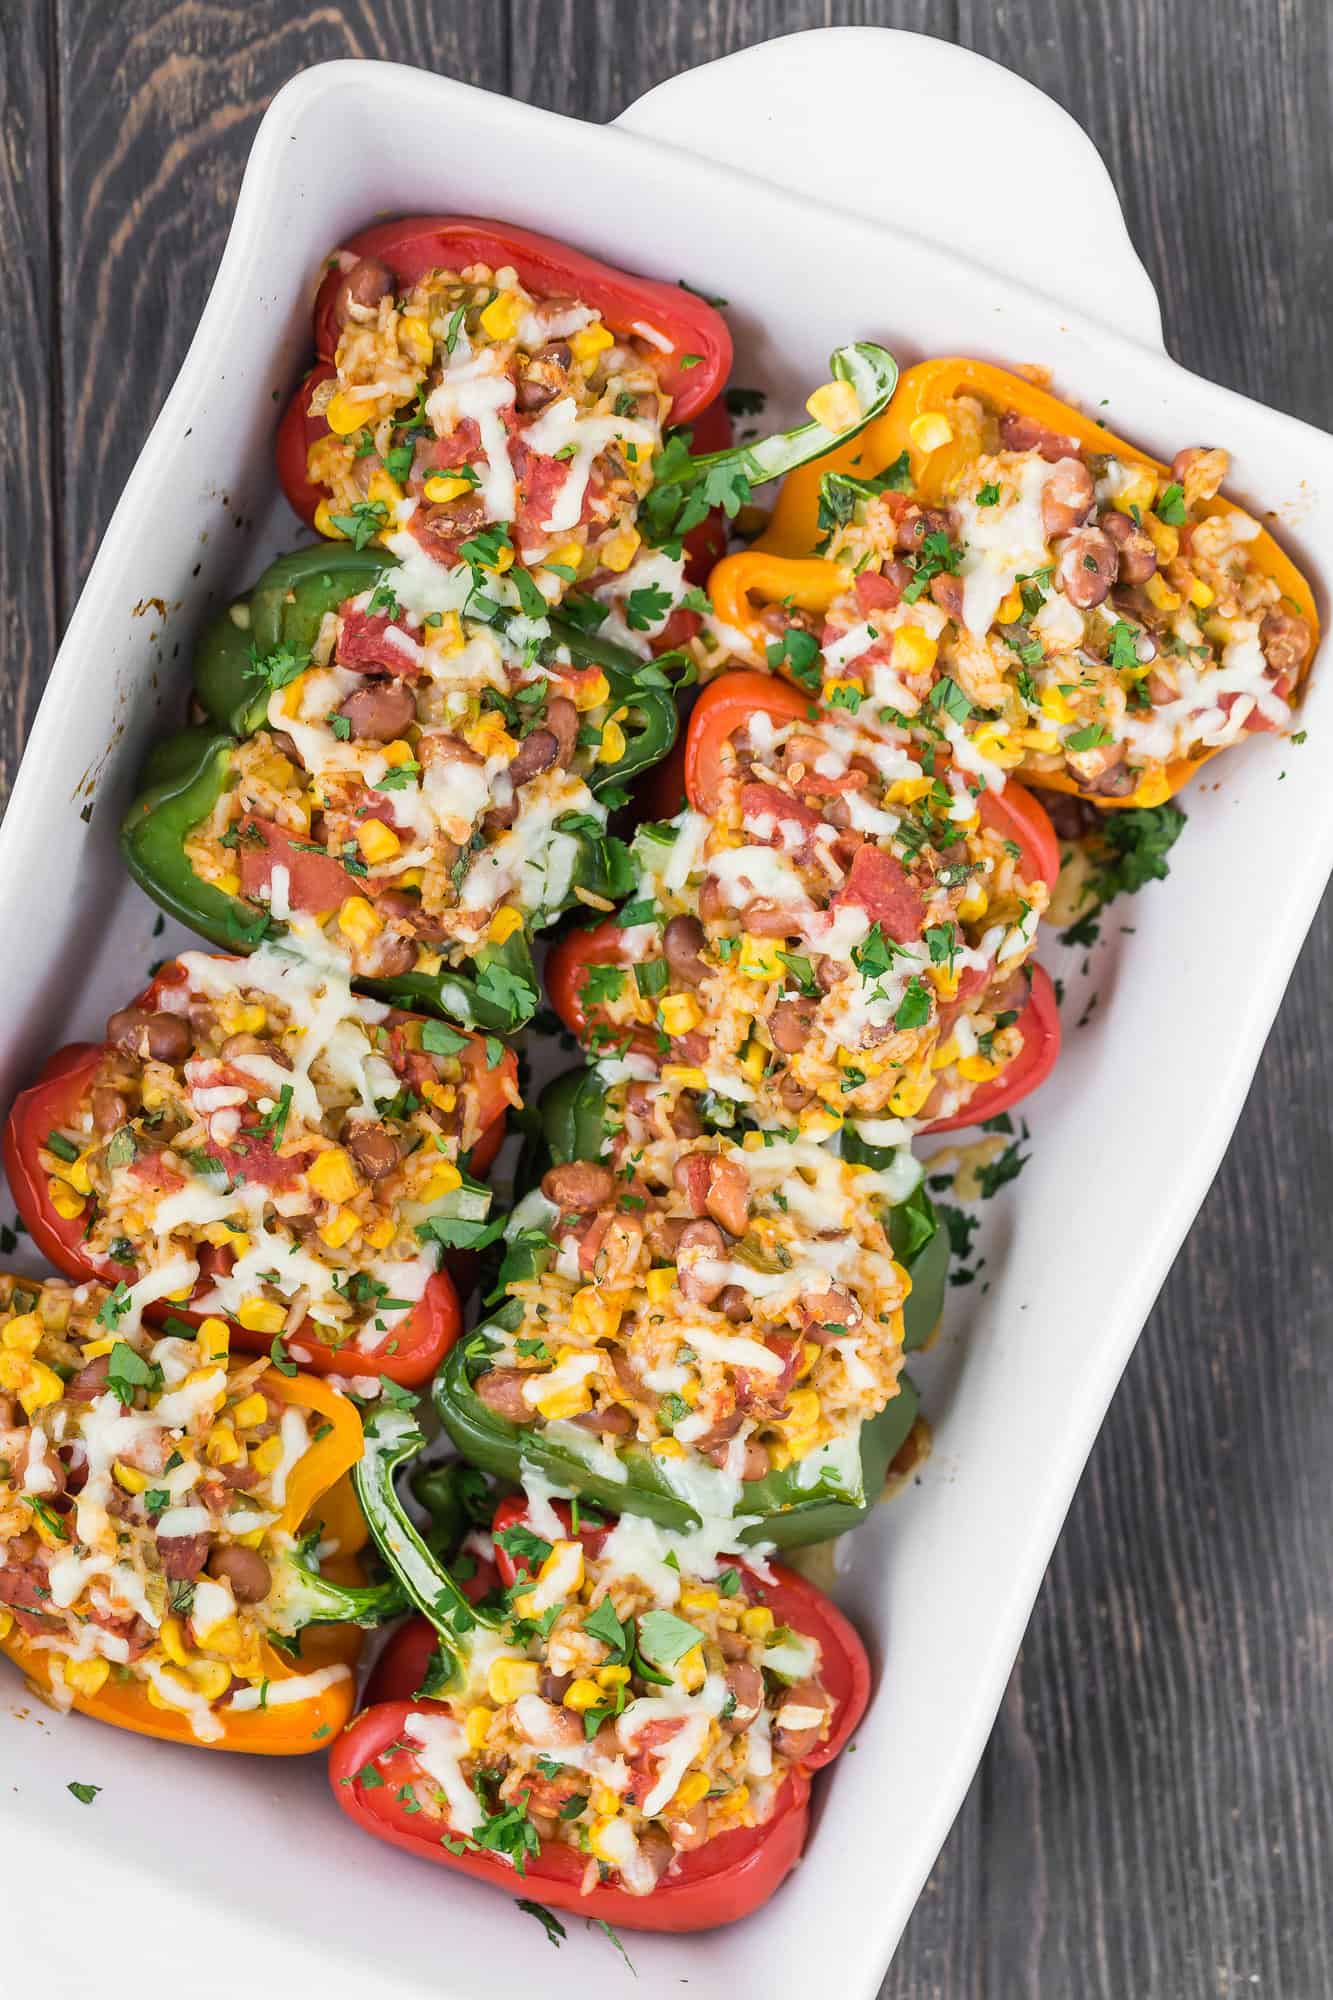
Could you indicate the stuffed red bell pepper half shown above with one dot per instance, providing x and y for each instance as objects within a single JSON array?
[
  {"x": 838, "y": 928},
  {"x": 254, "y": 1141},
  {"x": 625, "y": 1730}
]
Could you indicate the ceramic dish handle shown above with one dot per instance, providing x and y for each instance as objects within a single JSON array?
[{"x": 821, "y": 113}]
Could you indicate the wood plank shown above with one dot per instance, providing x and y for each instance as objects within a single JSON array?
[
  {"x": 591, "y": 58},
  {"x": 159, "y": 104},
  {"x": 29, "y": 387},
  {"x": 1158, "y": 1785}
]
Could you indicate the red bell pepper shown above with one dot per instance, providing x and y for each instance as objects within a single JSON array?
[
  {"x": 423, "y": 1338},
  {"x": 692, "y": 371},
  {"x": 729, "y": 1877},
  {"x": 727, "y": 705}
]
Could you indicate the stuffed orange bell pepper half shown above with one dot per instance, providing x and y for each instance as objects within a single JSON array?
[
  {"x": 1104, "y": 623},
  {"x": 163, "y": 1504}
]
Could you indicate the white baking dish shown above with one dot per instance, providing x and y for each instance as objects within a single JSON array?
[{"x": 228, "y": 1870}]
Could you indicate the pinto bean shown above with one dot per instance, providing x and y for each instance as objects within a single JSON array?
[
  {"x": 794, "y": 1095},
  {"x": 700, "y": 1240},
  {"x": 1104, "y": 771},
  {"x": 439, "y": 747},
  {"x": 501, "y": 1390},
  {"x": 733, "y": 1301},
  {"x": 822, "y": 1312},
  {"x": 947, "y": 592},
  {"x": 790, "y": 1023},
  {"x": 1023, "y": 433},
  {"x": 794, "y": 1741},
  {"x": 1066, "y": 499},
  {"x": 1138, "y": 557},
  {"x": 1070, "y": 815},
  {"x": 1088, "y": 567},
  {"x": 379, "y": 711},
  {"x": 390, "y": 956},
  {"x": 183, "y": 1555},
  {"x": 728, "y": 1197},
  {"x": 1286, "y": 640},
  {"x": 553, "y": 1687},
  {"x": 109, "y": 1108},
  {"x": 756, "y": 1461},
  {"x": 917, "y": 523},
  {"x": 664, "y": 1233},
  {"x": 745, "y": 1689},
  {"x": 562, "y": 719},
  {"x": 578, "y": 1186},
  {"x": 245, "y": 1570},
  {"x": 90, "y": 1381},
  {"x": 544, "y": 377},
  {"x": 614, "y": 1420},
  {"x": 440, "y": 528},
  {"x": 691, "y": 1175},
  {"x": 373, "y": 1147},
  {"x": 767, "y": 919},
  {"x": 689, "y": 1829},
  {"x": 361, "y": 290},
  {"x": 1200, "y": 470},
  {"x": 682, "y": 945},
  {"x": 163, "y": 1037}
]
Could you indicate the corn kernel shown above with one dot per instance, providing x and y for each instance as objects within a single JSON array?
[
  {"x": 442, "y": 486},
  {"x": 592, "y": 691},
  {"x": 42, "y": 1388},
  {"x": 695, "y": 1600},
  {"x": 913, "y": 650},
  {"x": 64, "y": 1200},
  {"x": 507, "y": 1679},
  {"x": 504, "y": 924},
  {"x": 1039, "y": 739},
  {"x": 582, "y": 1694},
  {"x": 210, "y": 1677},
  {"x": 612, "y": 1677},
  {"x": 358, "y": 921},
  {"x": 597, "y": 1843},
  {"x": 324, "y": 525},
  {"x": 667, "y": 1448},
  {"x": 1137, "y": 491},
  {"x": 1160, "y": 593},
  {"x": 377, "y": 841},
  {"x": 992, "y": 741},
  {"x": 499, "y": 319},
  {"x": 1053, "y": 704},
  {"x": 380, "y": 1234},
  {"x": 594, "y": 1314},
  {"x": 447, "y": 636},
  {"x": 171, "y": 1638},
  {"x": 808, "y": 1357},
  {"x": 570, "y": 1400},
  {"x": 759, "y": 957},
  {"x": 605, "y": 1802},
  {"x": 619, "y": 552},
  {"x": 974, "y": 902},
  {"x": 478, "y": 1724},
  {"x": 214, "y": 1339},
  {"x": 977, "y": 1069},
  {"x": 229, "y": 882},
  {"x": 803, "y": 1408},
  {"x": 129, "y": 1478},
  {"x": 415, "y": 338},
  {"x": 756, "y": 1621},
  {"x": 444, "y": 1178},
  {"x": 660, "y": 1284},
  {"x": 754, "y": 1060},
  {"x": 691, "y": 1671},
  {"x": 590, "y": 341},
  {"x": 568, "y": 556},
  {"x": 6, "y": 1621},
  {"x": 340, "y": 1228},
  {"x": 221, "y": 1446},
  {"x": 835, "y": 405},
  {"x": 683, "y": 1076},
  {"x": 251, "y": 1410},
  {"x": 692, "y": 1788},
  {"x": 930, "y": 430},
  {"x": 23, "y": 1334},
  {"x": 332, "y": 1176},
  {"x": 912, "y": 1092},
  {"x": 398, "y": 752},
  {"x": 1199, "y": 593},
  {"x": 1010, "y": 609},
  {"x": 346, "y": 413},
  {"x": 680, "y": 1013},
  {"x": 267, "y": 1457},
  {"x": 819, "y": 1122},
  {"x": 1164, "y": 538},
  {"x": 612, "y": 746},
  {"x": 86, "y": 1677},
  {"x": 258, "y": 1315}
]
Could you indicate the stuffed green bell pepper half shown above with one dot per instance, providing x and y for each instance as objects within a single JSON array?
[
  {"x": 423, "y": 788},
  {"x": 697, "y": 1329}
]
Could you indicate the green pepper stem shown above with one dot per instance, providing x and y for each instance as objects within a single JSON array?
[{"x": 300, "y": 1596}]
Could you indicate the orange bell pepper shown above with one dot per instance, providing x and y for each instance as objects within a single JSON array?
[
  {"x": 278, "y": 1727},
  {"x": 780, "y": 566}
]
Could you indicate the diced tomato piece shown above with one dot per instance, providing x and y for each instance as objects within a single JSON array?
[
  {"x": 875, "y": 592},
  {"x": 314, "y": 881},
  {"x": 362, "y": 645},
  {"x": 760, "y": 801},
  {"x": 879, "y": 884}
]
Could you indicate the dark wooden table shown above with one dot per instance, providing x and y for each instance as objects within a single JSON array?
[{"x": 1152, "y": 1818}]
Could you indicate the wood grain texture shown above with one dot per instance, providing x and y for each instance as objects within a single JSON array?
[
  {"x": 1152, "y": 1816},
  {"x": 29, "y": 386}
]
